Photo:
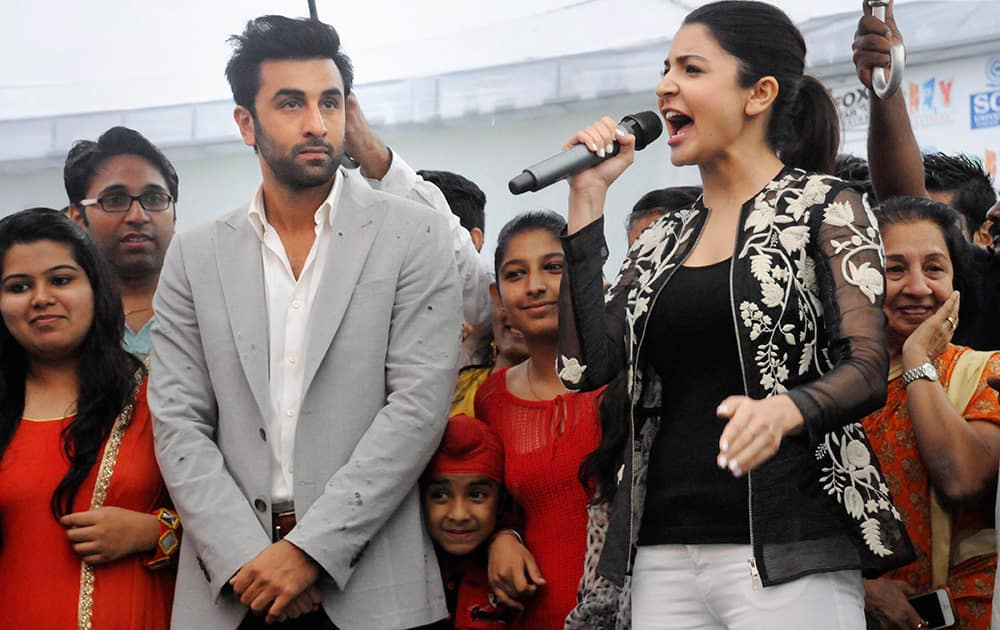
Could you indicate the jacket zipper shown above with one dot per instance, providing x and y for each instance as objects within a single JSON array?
[
  {"x": 634, "y": 360},
  {"x": 754, "y": 573}
]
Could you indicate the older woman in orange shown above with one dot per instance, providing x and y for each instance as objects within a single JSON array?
[{"x": 938, "y": 436}]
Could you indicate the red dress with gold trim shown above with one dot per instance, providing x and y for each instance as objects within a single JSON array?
[{"x": 39, "y": 572}]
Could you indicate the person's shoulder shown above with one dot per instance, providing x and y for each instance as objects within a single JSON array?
[
  {"x": 357, "y": 192},
  {"x": 201, "y": 236},
  {"x": 489, "y": 393}
]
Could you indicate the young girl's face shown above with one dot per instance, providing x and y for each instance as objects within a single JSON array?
[
  {"x": 528, "y": 282},
  {"x": 461, "y": 511}
]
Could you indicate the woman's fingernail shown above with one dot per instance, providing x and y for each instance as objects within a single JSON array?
[
  {"x": 610, "y": 148},
  {"x": 593, "y": 147},
  {"x": 722, "y": 462},
  {"x": 619, "y": 132},
  {"x": 724, "y": 446},
  {"x": 600, "y": 152},
  {"x": 722, "y": 409},
  {"x": 734, "y": 467}
]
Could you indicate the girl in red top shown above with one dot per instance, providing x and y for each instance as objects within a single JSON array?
[{"x": 546, "y": 432}]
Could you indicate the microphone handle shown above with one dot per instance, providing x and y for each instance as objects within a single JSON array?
[{"x": 559, "y": 166}]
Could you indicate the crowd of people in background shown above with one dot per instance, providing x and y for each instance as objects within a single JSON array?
[{"x": 327, "y": 410}]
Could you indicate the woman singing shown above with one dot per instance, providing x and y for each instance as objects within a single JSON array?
[{"x": 751, "y": 329}]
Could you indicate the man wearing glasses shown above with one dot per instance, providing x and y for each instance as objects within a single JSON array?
[{"x": 122, "y": 191}]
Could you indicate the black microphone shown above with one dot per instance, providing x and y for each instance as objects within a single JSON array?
[{"x": 645, "y": 126}]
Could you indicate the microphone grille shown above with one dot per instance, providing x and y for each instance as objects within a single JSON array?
[{"x": 646, "y": 127}]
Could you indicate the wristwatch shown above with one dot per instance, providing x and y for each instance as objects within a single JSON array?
[{"x": 921, "y": 371}]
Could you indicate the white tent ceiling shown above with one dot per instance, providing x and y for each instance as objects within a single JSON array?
[
  {"x": 73, "y": 69},
  {"x": 65, "y": 56}
]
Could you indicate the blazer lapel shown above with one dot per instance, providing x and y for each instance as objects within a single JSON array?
[
  {"x": 355, "y": 225},
  {"x": 241, "y": 269}
]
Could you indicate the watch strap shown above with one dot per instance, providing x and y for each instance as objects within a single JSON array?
[{"x": 925, "y": 371}]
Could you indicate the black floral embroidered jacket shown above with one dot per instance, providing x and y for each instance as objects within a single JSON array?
[{"x": 806, "y": 289}]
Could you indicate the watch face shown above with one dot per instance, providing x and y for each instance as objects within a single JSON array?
[{"x": 930, "y": 372}]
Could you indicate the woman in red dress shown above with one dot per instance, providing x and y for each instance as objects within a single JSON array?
[
  {"x": 84, "y": 522},
  {"x": 546, "y": 431}
]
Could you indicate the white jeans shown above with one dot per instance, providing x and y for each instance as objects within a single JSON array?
[{"x": 708, "y": 587}]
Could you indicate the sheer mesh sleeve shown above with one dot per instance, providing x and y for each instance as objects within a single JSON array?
[
  {"x": 847, "y": 251},
  {"x": 592, "y": 330}
]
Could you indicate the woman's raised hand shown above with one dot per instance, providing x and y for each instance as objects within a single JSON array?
[
  {"x": 589, "y": 186},
  {"x": 932, "y": 337}
]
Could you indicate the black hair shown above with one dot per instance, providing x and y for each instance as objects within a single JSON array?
[
  {"x": 661, "y": 200},
  {"x": 525, "y": 222},
  {"x": 854, "y": 171},
  {"x": 86, "y": 156},
  {"x": 804, "y": 127},
  {"x": 901, "y": 210},
  {"x": 466, "y": 200},
  {"x": 971, "y": 187},
  {"x": 106, "y": 370},
  {"x": 278, "y": 37},
  {"x": 598, "y": 472}
]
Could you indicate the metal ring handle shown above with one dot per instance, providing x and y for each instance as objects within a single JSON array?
[{"x": 885, "y": 86}]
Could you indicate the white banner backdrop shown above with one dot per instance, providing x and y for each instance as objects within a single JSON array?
[{"x": 954, "y": 107}]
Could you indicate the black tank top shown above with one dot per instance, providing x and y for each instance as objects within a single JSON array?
[{"x": 691, "y": 342}]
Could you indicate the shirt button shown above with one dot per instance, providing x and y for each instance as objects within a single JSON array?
[
  {"x": 296, "y": 304},
  {"x": 292, "y": 359},
  {"x": 290, "y": 413},
  {"x": 260, "y": 505}
]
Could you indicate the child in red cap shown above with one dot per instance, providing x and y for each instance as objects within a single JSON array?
[{"x": 461, "y": 491}]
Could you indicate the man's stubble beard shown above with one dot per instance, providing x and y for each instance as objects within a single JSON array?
[{"x": 288, "y": 171}]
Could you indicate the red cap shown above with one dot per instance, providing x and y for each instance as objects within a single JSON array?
[{"x": 469, "y": 447}]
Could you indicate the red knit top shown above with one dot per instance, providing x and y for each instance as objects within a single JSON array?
[{"x": 545, "y": 441}]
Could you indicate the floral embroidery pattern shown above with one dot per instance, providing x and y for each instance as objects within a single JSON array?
[
  {"x": 786, "y": 320},
  {"x": 778, "y": 236},
  {"x": 852, "y": 478},
  {"x": 572, "y": 370}
]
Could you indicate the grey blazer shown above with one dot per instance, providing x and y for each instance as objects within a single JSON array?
[{"x": 385, "y": 333}]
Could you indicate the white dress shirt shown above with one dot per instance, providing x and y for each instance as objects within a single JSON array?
[
  {"x": 289, "y": 304},
  {"x": 475, "y": 271}
]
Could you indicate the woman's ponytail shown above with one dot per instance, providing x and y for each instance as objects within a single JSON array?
[{"x": 813, "y": 140}]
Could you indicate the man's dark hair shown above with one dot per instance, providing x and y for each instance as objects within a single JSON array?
[
  {"x": 467, "y": 201},
  {"x": 277, "y": 37},
  {"x": 662, "y": 200},
  {"x": 970, "y": 186},
  {"x": 854, "y": 171},
  {"x": 85, "y": 156}
]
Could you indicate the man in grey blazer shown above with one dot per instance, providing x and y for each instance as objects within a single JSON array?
[{"x": 303, "y": 361}]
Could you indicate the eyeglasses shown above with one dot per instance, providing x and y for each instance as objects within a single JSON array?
[{"x": 121, "y": 202}]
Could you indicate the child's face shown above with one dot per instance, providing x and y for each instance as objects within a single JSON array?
[{"x": 461, "y": 511}]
